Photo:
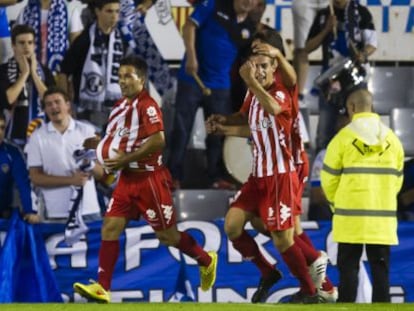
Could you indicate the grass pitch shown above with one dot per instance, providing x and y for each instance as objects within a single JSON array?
[{"x": 203, "y": 307}]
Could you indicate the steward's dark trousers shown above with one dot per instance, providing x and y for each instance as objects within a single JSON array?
[{"x": 349, "y": 256}]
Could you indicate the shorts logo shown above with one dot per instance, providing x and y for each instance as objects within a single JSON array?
[
  {"x": 270, "y": 212},
  {"x": 151, "y": 214},
  {"x": 167, "y": 210},
  {"x": 111, "y": 201},
  {"x": 285, "y": 213}
]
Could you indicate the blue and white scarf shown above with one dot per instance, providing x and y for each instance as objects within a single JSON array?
[
  {"x": 57, "y": 30},
  {"x": 99, "y": 82},
  {"x": 135, "y": 32}
]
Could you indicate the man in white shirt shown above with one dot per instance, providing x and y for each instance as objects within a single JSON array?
[{"x": 52, "y": 165}]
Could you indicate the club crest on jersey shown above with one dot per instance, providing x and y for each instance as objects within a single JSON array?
[{"x": 280, "y": 95}]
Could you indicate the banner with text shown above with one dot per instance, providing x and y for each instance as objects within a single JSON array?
[{"x": 148, "y": 271}]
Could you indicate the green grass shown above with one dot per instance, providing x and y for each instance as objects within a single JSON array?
[{"x": 203, "y": 307}]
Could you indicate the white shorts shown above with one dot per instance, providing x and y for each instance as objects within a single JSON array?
[{"x": 304, "y": 12}]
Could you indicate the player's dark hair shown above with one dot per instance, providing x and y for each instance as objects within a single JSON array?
[{"x": 138, "y": 63}]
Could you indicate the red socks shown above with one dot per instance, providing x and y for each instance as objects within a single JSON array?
[
  {"x": 248, "y": 248},
  {"x": 190, "y": 247},
  {"x": 108, "y": 255},
  {"x": 296, "y": 262}
]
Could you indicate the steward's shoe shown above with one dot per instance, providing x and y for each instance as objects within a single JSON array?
[
  {"x": 265, "y": 284},
  {"x": 330, "y": 296},
  {"x": 303, "y": 298},
  {"x": 317, "y": 269},
  {"x": 208, "y": 274},
  {"x": 93, "y": 291}
]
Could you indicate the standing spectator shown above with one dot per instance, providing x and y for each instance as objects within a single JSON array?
[
  {"x": 303, "y": 13},
  {"x": 361, "y": 177},
  {"x": 5, "y": 42},
  {"x": 14, "y": 173},
  {"x": 22, "y": 84},
  {"x": 213, "y": 35},
  {"x": 56, "y": 25},
  {"x": 133, "y": 144},
  {"x": 91, "y": 65},
  {"x": 52, "y": 165},
  {"x": 349, "y": 32}
]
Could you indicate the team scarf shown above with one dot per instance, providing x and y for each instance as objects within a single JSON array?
[
  {"x": 99, "y": 82},
  {"x": 352, "y": 20},
  {"x": 29, "y": 95},
  {"x": 135, "y": 32},
  {"x": 57, "y": 30},
  {"x": 75, "y": 227}
]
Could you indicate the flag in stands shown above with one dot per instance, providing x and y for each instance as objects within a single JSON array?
[{"x": 26, "y": 275}]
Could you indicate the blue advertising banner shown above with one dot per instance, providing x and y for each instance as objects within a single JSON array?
[{"x": 148, "y": 271}]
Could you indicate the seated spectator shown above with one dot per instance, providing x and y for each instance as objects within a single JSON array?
[
  {"x": 56, "y": 24},
  {"x": 92, "y": 64},
  {"x": 13, "y": 174},
  {"x": 56, "y": 166},
  {"x": 22, "y": 84}
]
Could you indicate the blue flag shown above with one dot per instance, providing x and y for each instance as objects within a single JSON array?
[{"x": 25, "y": 272}]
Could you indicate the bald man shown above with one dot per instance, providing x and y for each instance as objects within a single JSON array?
[{"x": 361, "y": 177}]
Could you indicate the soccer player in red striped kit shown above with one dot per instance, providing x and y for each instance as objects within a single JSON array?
[
  {"x": 269, "y": 192},
  {"x": 133, "y": 144}
]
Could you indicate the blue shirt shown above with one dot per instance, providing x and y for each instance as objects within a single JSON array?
[
  {"x": 218, "y": 40},
  {"x": 4, "y": 24},
  {"x": 13, "y": 171}
]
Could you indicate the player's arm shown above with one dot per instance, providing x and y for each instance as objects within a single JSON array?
[{"x": 154, "y": 143}]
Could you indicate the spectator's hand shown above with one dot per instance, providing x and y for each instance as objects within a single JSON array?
[
  {"x": 213, "y": 127},
  {"x": 218, "y": 118},
  {"x": 23, "y": 64},
  {"x": 144, "y": 6},
  {"x": 247, "y": 71},
  {"x": 32, "y": 218},
  {"x": 91, "y": 142},
  {"x": 266, "y": 49},
  {"x": 191, "y": 65},
  {"x": 117, "y": 162},
  {"x": 80, "y": 178},
  {"x": 33, "y": 64}
]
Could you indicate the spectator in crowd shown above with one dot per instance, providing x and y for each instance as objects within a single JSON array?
[
  {"x": 92, "y": 64},
  {"x": 303, "y": 13},
  {"x": 52, "y": 160},
  {"x": 56, "y": 24},
  {"x": 346, "y": 30},
  {"x": 14, "y": 173},
  {"x": 23, "y": 80},
  {"x": 133, "y": 144},
  {"x": 213, "y": 35},
  {"x": 5, "y": 43},
  {"x": 361, "y": 178}
]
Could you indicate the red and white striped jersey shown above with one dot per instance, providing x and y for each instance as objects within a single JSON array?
[
  {"x": 270, "y": 134},
  {"x": 129, "y": 126}
]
